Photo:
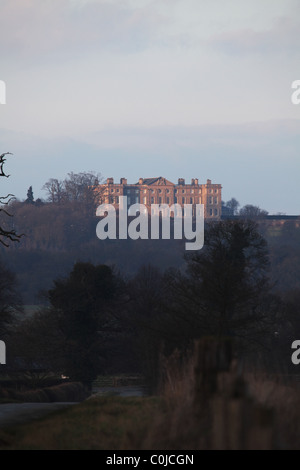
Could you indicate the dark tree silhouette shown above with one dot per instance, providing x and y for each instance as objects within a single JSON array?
[
  {"x": 233, "y": 206},
  {"x": 6, "y": 235},
  {"x": 226, "y": 290},
  {"x": 55, "y": 190},
  {"x": 10, "y": 302},
  {"x": 77, "y": 187},
  {"x": 252, "y": 212},
  {"x": 30, "y": 198},
  {"x": 79, "y": 309}
]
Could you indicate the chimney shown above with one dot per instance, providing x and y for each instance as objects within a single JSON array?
[
  {"x": 208, "y": 182},
  {"x": 181, "y": 181},
  {"x": 193, "y": 181},
  {"x": 110, "y": 181},
  {"x": 123, "y": 181},
  {"x": 196, "y": 181},
  {"x": 141, "y": 180}
]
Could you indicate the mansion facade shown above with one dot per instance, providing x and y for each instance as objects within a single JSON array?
[{"x": 161, "y": 191}]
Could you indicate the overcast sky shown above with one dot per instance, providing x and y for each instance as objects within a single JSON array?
[{"x": 141, "y": 88}]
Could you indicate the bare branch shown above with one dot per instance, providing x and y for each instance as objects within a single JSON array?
[
  {"x": 11, "y": 235},
  {"x": 5, "y": 200},
  {"x": 2, "y": 161},
  {"x": 11, "y": 198}
]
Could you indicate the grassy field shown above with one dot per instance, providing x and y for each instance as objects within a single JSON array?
[
  {"x": 107, "y": 422},
  {"x": 197, "y": 409},
  {"x": 169, "y": 422}
]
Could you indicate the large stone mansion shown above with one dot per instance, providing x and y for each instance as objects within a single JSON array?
[{"x": 161, "y": 191}]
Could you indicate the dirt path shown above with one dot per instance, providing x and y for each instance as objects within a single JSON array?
[
  {"x": 122, "y": 391},
  {"x": 16, "y": 413}
]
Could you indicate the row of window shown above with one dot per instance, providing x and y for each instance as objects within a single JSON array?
[
  {"x": 184, "y": 200},
  {"x": 178, "y": 191},
  {"x": 115, "y": 199},
  {"x": 159, "y": 200}
]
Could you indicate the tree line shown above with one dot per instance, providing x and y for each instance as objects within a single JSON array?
[
  {"x": 60, "y": 230},
  {"x": 76, "y": 187},
  {"x": 232, "y": 208},
  {"x": 97, "y": 321},
  {"x": 105, "y": 308}
]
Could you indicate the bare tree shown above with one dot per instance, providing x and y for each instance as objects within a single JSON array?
[
  {"x": 252, "y": 212},
  {"x": 77, "y": 187},
  {"x": 80, "y": 186},
  {"x": 55, "y": 190},
  {"x": 233, "y": 205},
  {"x": 6, "y": 235}
]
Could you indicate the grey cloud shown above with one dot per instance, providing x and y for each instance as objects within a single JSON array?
[
  {"x": 282, "y": 38},
  {"x": 31, "y": 29}
]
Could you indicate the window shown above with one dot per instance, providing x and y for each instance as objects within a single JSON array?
[
  {"x": 136, "y": 199},
  {"x": 168, "y": 200},
  {"x": 191, "y": 200},
  {"x": 118, "y": 190},
  {"x": 183, "y": 200},
  {"x": 216, "y": 190},
  {"x": 117, "y": 199},
  {"x": 159, "y": 190},
  {"x": 159, "y": 200},
  {"x": 168, "y": 191},
  {"x": 210, "y": 190},
  {"x": 210, "y": 212},
  {"x": 183, "y": 191},
  {"x": 210, "y": 200},
  {"x": 111, "y": 190},
  {"x": 152, "y": 200},
  {"x": 216, "y": 212},
  {"x": 216, "y": 200},
  {"x": 175, "y": 200}
]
